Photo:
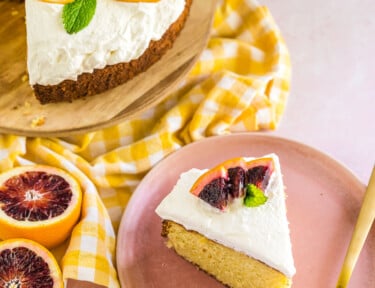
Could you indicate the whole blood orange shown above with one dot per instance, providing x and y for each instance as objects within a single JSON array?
[
  {"x": 27, "y": 264},
  {"x": 40, "y": 203}
]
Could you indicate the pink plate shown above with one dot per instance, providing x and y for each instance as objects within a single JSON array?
[{"x": 323, "y": 202}]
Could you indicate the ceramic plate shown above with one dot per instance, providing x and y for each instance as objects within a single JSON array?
[{"x": 323, "y": 202}]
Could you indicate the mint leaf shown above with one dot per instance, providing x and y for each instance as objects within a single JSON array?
[
  {"x": 78, "y": 14},
  {"x": 254, "y": 196}
]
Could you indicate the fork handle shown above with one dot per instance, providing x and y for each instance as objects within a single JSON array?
[{"x": 365, "y": 219}]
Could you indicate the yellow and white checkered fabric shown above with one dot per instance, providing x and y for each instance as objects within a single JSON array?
[{"x": 240, "y": 83}]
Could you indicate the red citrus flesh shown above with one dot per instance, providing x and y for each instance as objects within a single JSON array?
[
  {"x": 27, "y": 264},
  {"x": 35, "y": 196},
  {"x": 221, "y": 184}
]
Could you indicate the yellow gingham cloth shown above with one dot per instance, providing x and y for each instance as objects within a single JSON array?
[{"x": 240, "y": 83}]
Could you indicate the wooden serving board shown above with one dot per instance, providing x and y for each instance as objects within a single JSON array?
[{"x": 19, "y": 109}]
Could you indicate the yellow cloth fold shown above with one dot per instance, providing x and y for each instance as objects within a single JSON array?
[{"x": 240, "y": 83}]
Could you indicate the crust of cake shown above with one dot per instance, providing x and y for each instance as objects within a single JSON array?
[
  {"x": 230, "y": 267},
  {"x": 100, "y": 80}
]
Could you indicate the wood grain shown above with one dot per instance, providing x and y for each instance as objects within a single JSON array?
[{"x": 19, "y": 108}]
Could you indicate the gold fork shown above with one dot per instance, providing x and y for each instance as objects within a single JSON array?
[{"x": 361, "y": 230}]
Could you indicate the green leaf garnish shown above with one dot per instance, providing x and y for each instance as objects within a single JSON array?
[
  {"x": 254, "y": 196},
  {"x": 78, "y": 14}
]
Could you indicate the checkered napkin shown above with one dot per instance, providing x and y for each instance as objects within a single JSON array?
[{"x": 240, "y": 83}]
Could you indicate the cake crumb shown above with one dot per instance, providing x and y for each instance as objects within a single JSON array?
[
  {"x": 14, "y": 13},
  {"x": 27, "y": 104},
  {"x": 38, "y": 121},
  {"x": 26, "y": 108},
  {"x": 169, "y": 244},
  {"x": 24, "y": 78}
]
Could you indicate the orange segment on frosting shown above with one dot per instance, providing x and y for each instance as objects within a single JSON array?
[
  {"x": 229, "y": 180},
  {"x": 221, "y": 170}
]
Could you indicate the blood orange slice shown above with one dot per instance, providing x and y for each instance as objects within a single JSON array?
[
  {"x": 27, "y": 264},
  {"x": 228, "y": 180},
  {"x": 40, "y": 203}
]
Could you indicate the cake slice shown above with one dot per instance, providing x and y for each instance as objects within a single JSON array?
[
  {"x": 231, "y": 222},
  {"x": 86, "y": 47}
]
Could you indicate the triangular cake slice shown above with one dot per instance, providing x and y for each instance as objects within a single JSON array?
[
  {"x": 231, "y": 222},
  {"x": 78, "y": 48}
]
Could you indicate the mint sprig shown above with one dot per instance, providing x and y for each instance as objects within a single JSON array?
[
  {"x": 78, "y": 14},
  {"x": 254, "y": 196}
]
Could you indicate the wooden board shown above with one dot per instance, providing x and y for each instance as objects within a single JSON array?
[{"x": 19, "y": 108}]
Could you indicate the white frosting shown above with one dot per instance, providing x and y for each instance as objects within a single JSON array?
[
  {"x": 261, "y": 232},
  {"x": 119, "y": 32}
]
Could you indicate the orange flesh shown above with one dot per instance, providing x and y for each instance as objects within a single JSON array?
[
  {"x": 217, "y": 172},
  {"x": 221, "y": 171}
]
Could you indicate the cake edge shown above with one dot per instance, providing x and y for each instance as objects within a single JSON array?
[{"x": 111, "y": 76}]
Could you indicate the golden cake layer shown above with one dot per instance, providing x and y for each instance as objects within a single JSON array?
[{"x": 230, "y": 267}]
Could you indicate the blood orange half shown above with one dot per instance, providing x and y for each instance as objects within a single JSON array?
[
  {"x": 40, "y": 203},
  {"x": 27, "y": 264}
]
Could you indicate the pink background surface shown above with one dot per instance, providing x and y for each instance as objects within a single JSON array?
[{"x": 332, "y": 102}]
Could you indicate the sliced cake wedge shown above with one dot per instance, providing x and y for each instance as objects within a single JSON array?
[{"x": 231, "y": 222}]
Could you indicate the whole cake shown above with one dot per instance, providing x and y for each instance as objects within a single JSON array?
[
  {"x": 231, "y": 222},
  {"x": 85, "y": 47}
]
